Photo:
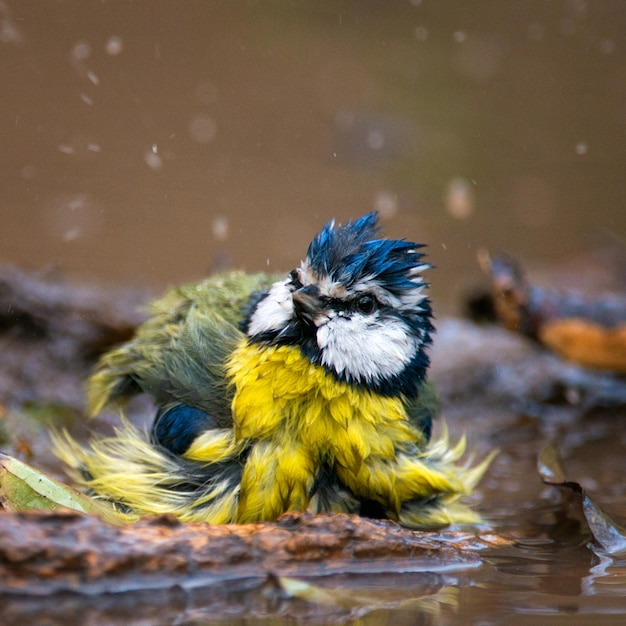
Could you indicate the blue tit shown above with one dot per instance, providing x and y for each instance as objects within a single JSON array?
[{"x": 291, "y": 393}]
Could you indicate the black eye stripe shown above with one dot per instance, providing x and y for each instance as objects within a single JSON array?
[
  {"x": 366, "y": 303},
  {"x": 295, "y": 279}
]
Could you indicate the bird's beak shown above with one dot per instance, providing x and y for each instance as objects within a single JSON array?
[{"x": 307, "y": 302}]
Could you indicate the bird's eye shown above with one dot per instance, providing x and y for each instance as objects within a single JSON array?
[{"x": 366, "y": 304}]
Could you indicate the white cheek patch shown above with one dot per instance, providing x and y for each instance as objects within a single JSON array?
[
  {"x": 365, "y": 348},
  {"x": 273, "y": 312}
]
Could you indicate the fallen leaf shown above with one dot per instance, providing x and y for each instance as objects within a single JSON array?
[
  {"x": 550, "y": 465},
  {"x": 24, "y": 488},
  {"x": 609, "y": 536}
]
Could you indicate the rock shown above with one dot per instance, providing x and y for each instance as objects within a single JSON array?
[{"x": 42, "y": 553}]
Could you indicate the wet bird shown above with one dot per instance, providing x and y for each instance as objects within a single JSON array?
[{"x": 301, "y": 392}]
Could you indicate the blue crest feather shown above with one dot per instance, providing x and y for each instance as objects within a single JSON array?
[
  {"x": 333, "y": 243},
  {"x": 349, "y": 253}
]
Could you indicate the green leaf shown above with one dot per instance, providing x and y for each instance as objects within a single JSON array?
[{"x": 24, "y": 488}]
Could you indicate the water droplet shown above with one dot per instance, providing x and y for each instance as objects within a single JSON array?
[
  {"x": 220, "y": 228},
  {"x": 459, "y": 198},
  {"x": 582, "y": 147},
  {"x": 9, "y": 32},
  {"x": 386, "y": 203},
  {"x": 421, "y": 33},
  {"x": 73, "y": 216},
  {"x": 86, "y": 99},
  {"x": 81, "y": 146},
  {"x": 202, "y": 129},
  {"x": 152, "y": 159},
  {"x": 93, "y": 77},
  {"x": 81, "y": 50},
  {"x": 459, "y": 36},
  {"x": 479, "y": 59},
  {"x": 114, "y": 45},
  {"x": 607, "y": 46},
  {"x": 72, "y": 234},
  {"x": 29, "y": 172},
  {"x": 376, "y": 139}
]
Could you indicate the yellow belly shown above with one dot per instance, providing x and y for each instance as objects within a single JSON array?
[{"x": 298, "y": 417}]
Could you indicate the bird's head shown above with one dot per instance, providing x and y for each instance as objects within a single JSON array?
[{"x": 355, "y": 306}]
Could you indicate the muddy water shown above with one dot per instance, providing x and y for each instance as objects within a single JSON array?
[{"x": 152, "y": 142}]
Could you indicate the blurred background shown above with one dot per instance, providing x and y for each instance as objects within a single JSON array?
[{"x": 151, "y": 142}]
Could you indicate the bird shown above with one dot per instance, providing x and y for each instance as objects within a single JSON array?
[{"x": 276, "y": 393}]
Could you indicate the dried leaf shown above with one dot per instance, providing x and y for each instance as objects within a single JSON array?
[
  {"x": 550, "y": 465},
  {"x": 608, "y": 534}
]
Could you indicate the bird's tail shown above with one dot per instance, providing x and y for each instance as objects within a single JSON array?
[
  {"x": 143, "y": 479},
  {"x": 446, "y": 508}
]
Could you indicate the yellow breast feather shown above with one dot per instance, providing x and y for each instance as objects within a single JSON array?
[{"x": 299, "y": 417}]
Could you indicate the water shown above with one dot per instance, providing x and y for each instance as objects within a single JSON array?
[{"x": 149, "y": 143}]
